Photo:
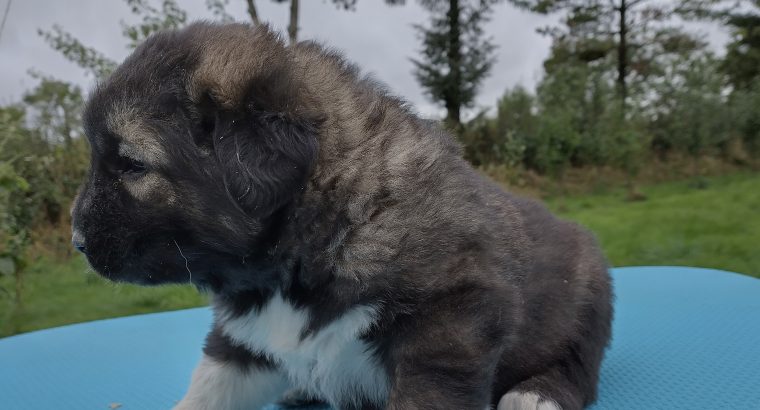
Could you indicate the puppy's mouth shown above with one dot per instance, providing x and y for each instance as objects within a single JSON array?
[
  {"x": 152, "y": 261},
  {"x": 172, "y": 260}
]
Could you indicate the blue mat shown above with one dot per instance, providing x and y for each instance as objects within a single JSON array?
[{"x": 684, "y": 338}]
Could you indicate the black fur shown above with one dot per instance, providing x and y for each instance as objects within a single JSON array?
[
  {"x": 266, "y": 157},
  {"x": 219, "y": 346},
  {"x": 280, "y": 169}
]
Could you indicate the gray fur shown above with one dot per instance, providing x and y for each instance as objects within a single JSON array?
[{"x": 290, "y": 174}]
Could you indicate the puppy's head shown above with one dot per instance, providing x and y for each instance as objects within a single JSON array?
[{"x": 198, "y": 140}]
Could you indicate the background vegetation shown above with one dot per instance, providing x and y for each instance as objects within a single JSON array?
[{"x": 637, "y": 130}]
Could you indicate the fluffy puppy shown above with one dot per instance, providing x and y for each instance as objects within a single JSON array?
[{"x": 351, "y": 252}]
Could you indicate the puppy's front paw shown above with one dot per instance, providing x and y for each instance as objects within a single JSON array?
[{"x": 525, "y": 401}]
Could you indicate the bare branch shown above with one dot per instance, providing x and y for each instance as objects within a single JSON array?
[
  {"x": 293, "y": 27},
  {"x": 252, "y": 12},
  {"x": 5, "y": 15},
  {"x": 634, "y": 3}
]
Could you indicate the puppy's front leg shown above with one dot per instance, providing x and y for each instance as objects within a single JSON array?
[
  {"x": 230, "y": 377},
  {"x": 445, "y": 358}
]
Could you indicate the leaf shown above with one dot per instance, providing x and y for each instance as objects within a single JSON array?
[{"x": 7, "y": 266}]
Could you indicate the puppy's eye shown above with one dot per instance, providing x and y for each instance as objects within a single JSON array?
[{"x": 130, "y": 166}]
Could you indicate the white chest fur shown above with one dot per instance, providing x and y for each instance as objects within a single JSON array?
[{"x": 332, "y": 363}]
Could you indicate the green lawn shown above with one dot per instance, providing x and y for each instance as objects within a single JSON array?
[
  {"x": 714, "y": 226},
  {"x": 58, "y": 294},
  {"x": 717, "y": 226}
]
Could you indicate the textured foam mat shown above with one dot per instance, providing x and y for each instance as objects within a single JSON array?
[{"x": 684, "y": 338}]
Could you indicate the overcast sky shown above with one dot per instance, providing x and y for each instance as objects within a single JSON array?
[{"x": 379, "y": 38}]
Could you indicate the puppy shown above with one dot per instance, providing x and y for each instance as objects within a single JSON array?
[{"x": 353, "y": 256}]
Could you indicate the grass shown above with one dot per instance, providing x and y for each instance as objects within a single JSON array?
[
  {"x": 67, "y": 292},
  {"x": 714, "y": 223},
  {"x": 709, "y": 222}
]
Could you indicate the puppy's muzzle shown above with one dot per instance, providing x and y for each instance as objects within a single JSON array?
[{"x": 77, "y": 241}]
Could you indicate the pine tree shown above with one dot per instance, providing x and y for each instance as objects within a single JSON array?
[{"x": 456, "y": 57}]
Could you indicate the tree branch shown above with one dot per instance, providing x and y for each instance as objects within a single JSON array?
[
  {"x": 293, "y": 27},
  {"x": 252, "y": 12},
  {"x": 5, "y": 15}
]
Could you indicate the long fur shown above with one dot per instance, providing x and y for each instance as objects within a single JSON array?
[{"x": 347, "y": 245}]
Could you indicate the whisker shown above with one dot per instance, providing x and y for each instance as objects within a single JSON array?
[{"x": 187, "y": 263}]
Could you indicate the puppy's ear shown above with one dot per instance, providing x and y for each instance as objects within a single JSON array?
[{"x": 266, "y": 157}]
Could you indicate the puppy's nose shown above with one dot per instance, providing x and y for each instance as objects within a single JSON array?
[{"x": 77, "y": 240}]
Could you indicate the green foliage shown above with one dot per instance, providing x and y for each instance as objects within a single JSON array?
[
  {"x": 745, "y": 115},
  {"x": 622, "y": 142},
  {"x": 563, "y": 108},
  {"x": 56, "y": 108},
  {"x": 53, "y": 110},
  {"x": 573, "y": 120},
  {"x": 632, "y": 38},
  {"x": 42, "y": 161},
  {"x": 169, "y": 16},
  {"x": 585, "y": 123},
  {"x": 501, "y": 140},
  {"x": 93, "y": 61},
  {"x": 552, "y": 146},
  {"x": 677, "y": 98},
  {"x": 17, "y": 204},
  {"x": 742, "y": 61},
  {"x": 692, "y": 113},
  {"x": 742, "y": 18},
  {"x": 152, "y": 19},
  {"x": 14, "y": 236}
]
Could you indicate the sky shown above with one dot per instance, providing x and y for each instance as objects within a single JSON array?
[{"x": 379, "y": 38}]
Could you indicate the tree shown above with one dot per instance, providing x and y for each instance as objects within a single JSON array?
[
  {"x": 635, "y": 33},
  {"x": 692, "y": 114},
  {"x": 55, "y": 108},
  {"x": 501, "y": 140},
  {"x": 456, "y": 57},
  {"x": 742, "y": 18},
  {"x": 742, "y": 61},
  {"x": 91, "y": 60}
]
